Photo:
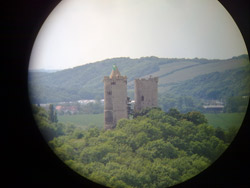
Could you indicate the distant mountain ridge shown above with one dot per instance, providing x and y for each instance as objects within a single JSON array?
[
  {"x": 44, "y": 70},
  {"x": 85, "y": 82}
]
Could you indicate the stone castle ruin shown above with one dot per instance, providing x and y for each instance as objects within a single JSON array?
[
  {"x": 146, "y": 91},
  {"x": 116, "y": 100}
]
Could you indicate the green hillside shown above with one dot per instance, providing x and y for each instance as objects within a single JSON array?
[
  {"x": 83, "y": 121},
  {"x": 85, "y": 82},
  {"x": 216, "y": 85}
]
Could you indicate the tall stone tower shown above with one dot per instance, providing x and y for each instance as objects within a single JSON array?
[
  {"x": 146, "y": 93},
  {"x": 115, "y": 98}
]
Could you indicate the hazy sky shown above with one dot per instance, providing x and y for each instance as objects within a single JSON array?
[{"x": 84, "y": 31}]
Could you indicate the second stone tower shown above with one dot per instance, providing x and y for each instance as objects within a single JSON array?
[{"x": 146, "y": 93}]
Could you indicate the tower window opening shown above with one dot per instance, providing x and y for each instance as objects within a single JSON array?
[
  {"x": 142, "y": 98},
  {"x": 113, "y": 83},
  {"x": 109, "y": 92}
]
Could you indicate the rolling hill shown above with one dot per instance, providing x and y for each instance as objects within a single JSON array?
[
  {"x": 85, "y": 82},
  {"x": 216, "y": 85}
]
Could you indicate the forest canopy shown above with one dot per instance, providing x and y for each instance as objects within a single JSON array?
[{"x": 155, "y": 149}]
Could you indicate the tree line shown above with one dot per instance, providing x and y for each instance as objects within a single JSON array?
[{"x": 154, "y": 149}]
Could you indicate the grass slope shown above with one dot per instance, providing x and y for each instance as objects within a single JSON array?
[
  {"x": 225, "y": 120},
  {"x": 83, "y": 120}
]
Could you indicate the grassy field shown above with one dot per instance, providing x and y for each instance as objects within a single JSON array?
[
  {"x": 83, "y": 120},
  {"x": 225, "y": 120}
]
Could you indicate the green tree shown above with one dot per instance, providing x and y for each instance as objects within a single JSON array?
[
  {"x": 220, "y": 133},
  {"x": 231, "y": 133},
  {"x": 152, "y": 150},
  {"x": 196, "y": 117},
  {"x": 143, "y": 112},
  {"x": 174, "y": 113},
  {"x": 47, "y": 128},
  {"x": 55, "y": 117},
  {"x": 52, "y": 114},
  {"x": 236, "y": 104}
]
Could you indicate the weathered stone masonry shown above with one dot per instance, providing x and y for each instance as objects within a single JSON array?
[
  {"x": 115, "y": 96},
  {"x": 146, "y": 93}
]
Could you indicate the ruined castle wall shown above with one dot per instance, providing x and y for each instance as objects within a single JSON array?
[
  {"x": 108, "y": 104},
  {"x": 115, "y": 100},
  {"x": 146, "y": 93}
]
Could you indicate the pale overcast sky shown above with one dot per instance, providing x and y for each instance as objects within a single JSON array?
[{"x": 84, "y": 31}]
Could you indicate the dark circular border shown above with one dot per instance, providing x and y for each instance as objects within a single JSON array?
[{"x": 30, "y": 162}]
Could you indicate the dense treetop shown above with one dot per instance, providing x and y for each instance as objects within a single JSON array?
[{"x": 155, "y": 149}]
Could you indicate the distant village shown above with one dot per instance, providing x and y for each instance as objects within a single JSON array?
[
  {"x": 213, "y": 106},
  {"x": 74, "y": 107},
  {"x": 71, "y": 108}
]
